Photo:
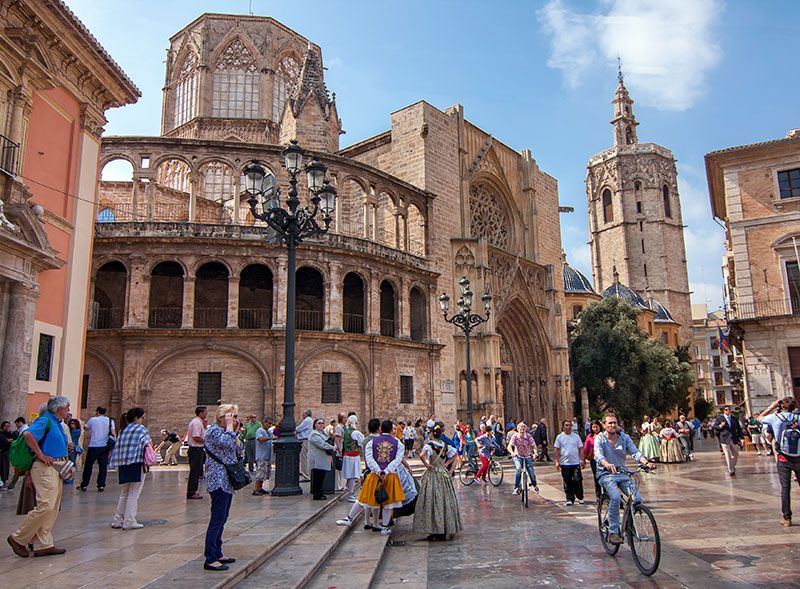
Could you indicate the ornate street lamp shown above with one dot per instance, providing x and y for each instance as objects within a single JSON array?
[
  {"x": 466, "y": 320},
  {"x": 292, "y": 225}
]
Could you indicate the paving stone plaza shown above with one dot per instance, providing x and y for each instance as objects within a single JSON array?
[{"x": 715, "y": 531}]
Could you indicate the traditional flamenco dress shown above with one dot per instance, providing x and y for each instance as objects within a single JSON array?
[
  {"x": 671, "y": 449},
  {"x": 649, "y": 445},
  {"x": 437, "y": 510}
]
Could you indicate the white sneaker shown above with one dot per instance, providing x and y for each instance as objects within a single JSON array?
[
  {"x": 386, "y": 531},
  {"x": 759, "y": 453},
  {"x": 133, "y": 527},
  {"x": 116, "y": 526},
  {"x": 344, "y": 521},
  {"x": 581, "y": 501},
  {"x": 351, "y": 499},
  {"x": 516, "y": 492},
  {"x": 568, "y": 503}
]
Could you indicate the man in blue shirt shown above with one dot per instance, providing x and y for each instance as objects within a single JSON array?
[
  {"x": 51, "y": 447},
  {"x": 777, "y": 416},
  {"x": 610, "y": 450}
]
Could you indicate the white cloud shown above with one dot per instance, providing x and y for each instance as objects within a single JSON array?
[
  {"x": 707, "y": 293},
  {"x": 581, "y": 258},
  {"x": 705, "y": 243},
  {"x": 695, "y": 204},
  {"x": 666, "y": 47}
]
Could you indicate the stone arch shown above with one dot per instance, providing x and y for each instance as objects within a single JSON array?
[
  {"x": 103, "y": 385},
  {"x": 101, "y": 261},
  {"x": 106, "y": 361},
  {"x": 166, "y": 258},
  {"x": 233, "y": 36},
  {"x": 110, "y": 295},
  {"x": 165, "y": 157},
  {"x": 203, "y": 261},
  {"x": 386, "y": 221}
]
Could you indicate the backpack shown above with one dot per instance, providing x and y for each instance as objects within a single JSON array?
[
  {"x": 789, "y": 444},
  {"x": 20, "y": 454}
]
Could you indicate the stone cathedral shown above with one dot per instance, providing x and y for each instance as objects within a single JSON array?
[
  {"x": 635, "y": 218},
  {"x": 190, "y": 297}
]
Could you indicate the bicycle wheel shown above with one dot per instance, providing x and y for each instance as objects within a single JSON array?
[
  {"x": 495, "y": 473},
  {"x": 602, "y": 524},
  {"x": 524, "y": 487},
  {"x": 466, "y": 474},
  {"x": 644, "y": 540}
]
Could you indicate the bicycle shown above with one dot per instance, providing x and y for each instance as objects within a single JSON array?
[
  {"x": 638, "y": 526},
  {"x": 472, "y": 464},
  {"x": 524, "y": 486}
]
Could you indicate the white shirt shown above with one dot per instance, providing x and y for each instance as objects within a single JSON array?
[
  {"x": 569, "y": 447},
  {"x": 304, "y": 429},
  {"x": 430, "y": 424},
  {"x": 99, "y": 426},
  {"x": 409, "y": 433}
]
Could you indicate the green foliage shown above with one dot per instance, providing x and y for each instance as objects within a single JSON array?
[
  {"x": 703, "y": 408},
  {"x": 621, "y": 368}
]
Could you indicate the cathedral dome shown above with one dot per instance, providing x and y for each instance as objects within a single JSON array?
[
  {"x": 621, "y": 291},
  {"x": 575, "y": 282},
  {"x": 662, "y": 313}
]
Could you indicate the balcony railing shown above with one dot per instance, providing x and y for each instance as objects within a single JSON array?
[
  {"x": 387, "y": 327},
  {"x": 764, "y": 309},
  {"x": 255, "y": 318},
  {"x": 165, "y": 317},
  {"x": 108, "y": 318},
  {"x": 211, "y": 317},
  {"x": 308, "y": 319},
  {"x": 353, "y": 323},
  {"x": 9, "y": 154}
]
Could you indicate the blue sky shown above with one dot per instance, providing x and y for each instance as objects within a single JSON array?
[{"x": 705, "y": 74}]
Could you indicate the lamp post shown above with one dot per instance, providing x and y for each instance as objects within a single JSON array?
[
  {"x": 466, "y": 320},
  {"x": 292, "y": 225}
]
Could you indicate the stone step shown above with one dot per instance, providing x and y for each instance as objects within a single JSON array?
[
  {"x": 297, "y": 561},
  {"x": 354, "y": 563}
]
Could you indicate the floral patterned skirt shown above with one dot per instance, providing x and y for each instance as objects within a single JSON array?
[{"x": 437, "y": 506}]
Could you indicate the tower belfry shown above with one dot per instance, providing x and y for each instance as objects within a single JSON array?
[{"x": 635, "y": 216}]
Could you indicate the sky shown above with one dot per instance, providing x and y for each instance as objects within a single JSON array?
[{"x": 536, "y": 74}]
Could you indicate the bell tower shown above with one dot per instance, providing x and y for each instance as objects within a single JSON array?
[{"x": 635, "y": 216}]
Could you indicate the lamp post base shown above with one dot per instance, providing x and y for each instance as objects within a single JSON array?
[{"x": 287, "y": 466}]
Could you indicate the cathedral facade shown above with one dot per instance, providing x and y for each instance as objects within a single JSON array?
[
  {"x": 190, "y": 293},
  {"x": 635, "y": 224}
]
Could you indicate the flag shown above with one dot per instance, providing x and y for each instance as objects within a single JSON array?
[{"x": 724, "y": 342}]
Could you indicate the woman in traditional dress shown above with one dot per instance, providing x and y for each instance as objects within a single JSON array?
[
  {"x": 351, "y": 459},
  {"x": 649, "y": 444},
  {"x": 383, "y": 454},
  {"x": 436, "y": 512},
  {"x": 671, "y": 450}
]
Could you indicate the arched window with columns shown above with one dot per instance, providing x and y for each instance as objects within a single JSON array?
[
  {"x": 255, "y": 297},
  {"x": 211, "y": 296},
  {"x": 166, "y": 295},
  {"x": 109, "y": 295},
  {"x": 310, "y": 300},
  {"x": 353, "y": 303},
  {"x": 235, "y": 91},
  {"x": 388, "y": 309},
  {"x": 418, "y": 314}
]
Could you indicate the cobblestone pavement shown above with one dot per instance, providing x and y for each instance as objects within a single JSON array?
[{"x": 715, "y": 532}]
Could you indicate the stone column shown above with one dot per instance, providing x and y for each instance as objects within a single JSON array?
[
  {"x": 17, "y": 349},
  {"x": 279, "y": 286},
  {"x": 403, "y": 308},
  {"x": 23, "y": 104},
  {"x": 236, "y": 200},
  {"x": 374, "y": 304},
  {"x": 138, "y": 313},
  {"x": 187, "y": 321},
  {"x": 194, "y": 183},
  {"x": 233, "y": 302},
  {"x": 334, "y": 313}
]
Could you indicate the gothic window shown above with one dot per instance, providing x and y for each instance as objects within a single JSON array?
[
  {"x": 186, "y": 86},
  {"x": 235, "y": 93},
  {"x": 637, "y": 186},
  {"x": 789, "y": 183},
  {"x": 667, "y": 205},
  {"x": 639, "y": 207},
  {"x": 173, "y": 174},
  {"x": 489, "y": 220},
  {"x": 218, "y": 187},
  {"x": 608, "y": 207},
  {"x": 285, "y": 79},
  {"x": 106, "y": 215},
  {"x": 628, "y": 135}
]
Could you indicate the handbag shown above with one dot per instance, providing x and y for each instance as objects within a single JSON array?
[
  {"x": 237, "y": 473},
  {"x": 112, "y": 439},
  {"x": 150, "y": 457},
  {"x": 381, "y": 496},
  {"x": 338, "y": 462}
]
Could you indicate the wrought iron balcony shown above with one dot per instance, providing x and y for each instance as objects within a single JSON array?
[
  {"x": 165, "y": 317},
  {"x": 9, "y": 156},
  {"x": 255, "y": 318},
  {"x": 353, "y": 323},
  {"x": 764, "y": 309}
]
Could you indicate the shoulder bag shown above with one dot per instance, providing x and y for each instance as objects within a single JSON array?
[
  {"x": 112, "y": 439},
  {"x": 237, "y": 473}
]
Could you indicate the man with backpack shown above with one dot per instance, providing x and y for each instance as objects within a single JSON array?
[{"x": 782, "y": 416}]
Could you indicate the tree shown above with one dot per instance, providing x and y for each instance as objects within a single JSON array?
[{"x": 621, "y": 368}]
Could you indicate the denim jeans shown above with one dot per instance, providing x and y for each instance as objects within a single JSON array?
[
  {"x": 100, "y": 455},
  {"x": 220, "y": 508},
  {"x": 612, "y": 483},
  {"x": 785, "y": 470},
  {"x": 518, "y": 464}
]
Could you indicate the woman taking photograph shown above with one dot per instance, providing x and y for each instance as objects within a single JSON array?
[
  {"x": 320, "y": 455},
  {"x": 128, "y": 458},
  {"x": 222, "y": 442},
  {"x": 436, "y": 512}
]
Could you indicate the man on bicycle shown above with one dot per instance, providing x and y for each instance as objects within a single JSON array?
[
  {"x": 521, "y": 445},
  {"x": 610, "y": 449}
]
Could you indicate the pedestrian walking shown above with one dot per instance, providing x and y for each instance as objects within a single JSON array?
[
  {"x": 101, "y": 442},
  {"x": 195, "y": 437},
  {"x": 729, "y": 434},
  {"x": 303, "y": 431},
  {"x": 540, "y": 437},
  {"x": 588, "y": 451},
  {"x": 223, "y": 447},
  {"x": 51, "y": 448},
  {"x": 320, "y": 458},
  {"x": 570, "y": 460},
  {"x": 128, "y": 457},
  {"x": 251, "y": 426},
  {"x": 409, "y": 436},
  {"x": 263, "y": 457},
  {"x": 782, "y": 416},
  {"x": 436, "y": 512}
]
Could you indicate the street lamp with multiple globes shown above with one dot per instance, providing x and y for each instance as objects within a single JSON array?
[
  {"x": 466, "y": 320},
  {"x": 292, "y": 225}
]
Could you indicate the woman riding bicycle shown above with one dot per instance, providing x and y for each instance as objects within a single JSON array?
[
  {"x": 485, "y": 442},
  {"x": 610, "y": 449},
  {"x": 521, "y": 446}
]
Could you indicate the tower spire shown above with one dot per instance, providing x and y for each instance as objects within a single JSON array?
[{"x": 624, "y": 120}]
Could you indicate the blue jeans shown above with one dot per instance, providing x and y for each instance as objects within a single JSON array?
[
  {"x": 528, "y": 463},
  {"x": 220, "y": 507},
  {"x": 612, "y": 483}
]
